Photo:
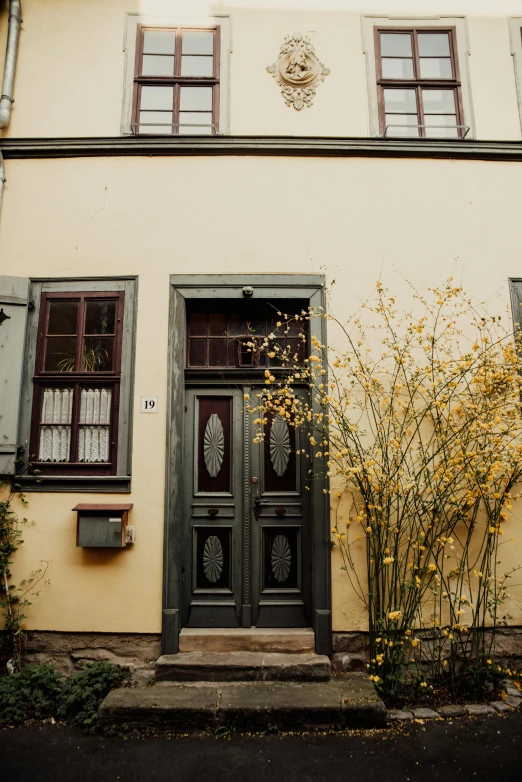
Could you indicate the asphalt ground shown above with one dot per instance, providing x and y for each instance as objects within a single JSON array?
[{"x": 479, "y": 748}]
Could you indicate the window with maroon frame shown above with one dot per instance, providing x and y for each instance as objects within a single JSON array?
[
  {"x": 419, "y": 89},
  {"x": 176, "y": 81},
  {"x": 77, "y": 383}
]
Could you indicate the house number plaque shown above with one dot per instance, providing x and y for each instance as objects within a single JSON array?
[{"x": 149, "y": 404}]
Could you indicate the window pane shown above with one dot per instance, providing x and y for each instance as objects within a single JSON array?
[
  {"x": 256, "y": 326},
  {"x": 197, "y": 66},
  {"x": 157, "y": 98},
  {"x": 434, "y": 44},
  {"x": 396, "y": 45},
  {"x": 94, "y": 444},
  {"x": 94, "y": 441},
  {"x": 297, "y": 348},
  {"x": 446, "y": 126},
  {"x": 195, "y": 98},
  {"x": 63, "y": 316},
  {"x": 195, "y": 42},
  {"x": 201, "y": 122},
  {"x": 217, "y": 324},
  {"x": 60, "y": 354},
  {"x": 247, "y": 356},
  {"x": 432, "y": 68},
  {"x": 197, "y": 322},
  {"x": 100, "y": 317},
  {"x": 396, "y": 101},
  {"x": 157, "y": 65},
  {"x": 217, "y": 352},
  {"x": 407, "y": 125},
  {"x": 55, "y": 441},
  {"x": 159, "y": 42},
  {"x": 438, "y": 101},
  {"x": 95, "y": 405},
  {"x": 97, "y": 354},
  {"x": 163, "y": 118},
  {"x": 236, "y": 326},
  {"x": 57, "y": 406},
  {"x": 397, "y": 69},
  {"x": 55, "y": 444},
  {"x": 197, "y": 353}
]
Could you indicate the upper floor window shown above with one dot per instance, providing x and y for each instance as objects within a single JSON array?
[
  {"x": 176, "y": 81},
  {"x": 418, "y": 82}
]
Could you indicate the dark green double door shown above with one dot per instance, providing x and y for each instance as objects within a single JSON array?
[{"x": 246, "y": 526}]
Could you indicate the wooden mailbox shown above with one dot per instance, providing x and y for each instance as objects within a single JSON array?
[{"x": 102, "y": 526}]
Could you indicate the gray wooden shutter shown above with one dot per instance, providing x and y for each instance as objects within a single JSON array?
[
  {"x": 516, "y": 302},
  {"x": 13, "y": 318}
]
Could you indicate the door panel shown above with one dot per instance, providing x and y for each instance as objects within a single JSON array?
[
  {"x": 246, "y": 525},
  {"x": 212, "y": 504},
  {"x": 281, "y": 587}
]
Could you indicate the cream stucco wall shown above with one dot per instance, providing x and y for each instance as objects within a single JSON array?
[
  {"x": 353, "y": 219},
  {"x": 72, "y": 63}
]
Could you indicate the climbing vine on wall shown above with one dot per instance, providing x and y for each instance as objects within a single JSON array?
[{"x": 14, "y": 598}]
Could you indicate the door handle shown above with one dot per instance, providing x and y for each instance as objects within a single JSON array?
[{"x": 257, "y": 506}]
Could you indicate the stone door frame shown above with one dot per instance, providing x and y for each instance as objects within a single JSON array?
[{"x": 230, "y": 286}]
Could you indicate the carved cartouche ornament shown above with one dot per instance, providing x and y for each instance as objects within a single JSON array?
[{"x": 298, "y": 71}]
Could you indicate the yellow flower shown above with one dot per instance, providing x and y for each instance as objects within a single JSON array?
[
  {"x": 394, "y": 615},
  {"x": 388, "y": 560},
  {"x": 432, "y": 567}
]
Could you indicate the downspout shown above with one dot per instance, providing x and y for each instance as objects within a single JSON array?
[{"x": 11, "y": 53}]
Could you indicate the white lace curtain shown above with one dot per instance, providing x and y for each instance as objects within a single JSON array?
[
  {"x": 94, "y": 441},
  {"x": 94, "y": 434},
  {"x": 55, "y": 441}
]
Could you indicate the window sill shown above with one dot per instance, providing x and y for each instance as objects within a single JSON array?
[{"x": 93, "y": 484}]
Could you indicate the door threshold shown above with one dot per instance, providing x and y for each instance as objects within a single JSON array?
[{"x": 292, "y": 640}]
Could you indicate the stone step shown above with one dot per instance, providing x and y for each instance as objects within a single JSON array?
[
  {"x": 242, "y": 666},
  {"x": 247, "y": 639},
  {"x": 340, "y": 703}
]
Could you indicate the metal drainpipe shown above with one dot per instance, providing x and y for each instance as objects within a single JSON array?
[
  {"x": 2, "y": 177},
  {"x": 6, "y": 99}
]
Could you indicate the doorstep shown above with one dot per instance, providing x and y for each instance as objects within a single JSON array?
[
  {"x": 351, "y": 702},
  {"x": 242, "y": 666},
  {"x": 297, "y": 640}
]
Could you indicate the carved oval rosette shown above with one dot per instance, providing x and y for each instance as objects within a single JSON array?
[{"x": 298, "y": 71}]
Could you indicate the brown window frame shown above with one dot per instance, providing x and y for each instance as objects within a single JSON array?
[
  {"x": 76, "y": 380},
  {"x": 177, "y": 80},
  {"x": 418, "y": 83}
]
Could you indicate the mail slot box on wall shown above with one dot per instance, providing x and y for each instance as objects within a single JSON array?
[{"x": 102, "y": 526}]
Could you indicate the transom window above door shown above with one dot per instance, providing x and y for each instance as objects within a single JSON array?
[
  {"x": 419, "y": 88},
  {"x": 176, "y": 81},
  {"x": 233, "y": 336}
]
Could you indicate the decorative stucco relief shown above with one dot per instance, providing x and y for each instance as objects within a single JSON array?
[{"x": 298, "y": 71}]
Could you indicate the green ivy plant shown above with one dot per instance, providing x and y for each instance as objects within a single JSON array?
[{"x": 14, "y": 599}]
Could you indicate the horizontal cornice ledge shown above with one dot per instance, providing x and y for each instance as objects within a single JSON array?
[{"x": 18, "y": 148}]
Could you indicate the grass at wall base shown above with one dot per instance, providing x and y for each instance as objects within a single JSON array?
[{"x": 417, "y": 422}]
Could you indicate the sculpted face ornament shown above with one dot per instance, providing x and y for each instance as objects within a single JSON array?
[{"x": 298, "y": 71}]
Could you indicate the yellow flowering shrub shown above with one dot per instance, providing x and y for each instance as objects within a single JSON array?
[{"x": 417, "y": 421}]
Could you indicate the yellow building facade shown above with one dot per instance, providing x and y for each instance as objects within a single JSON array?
[{"x": 126, "y": 192}]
